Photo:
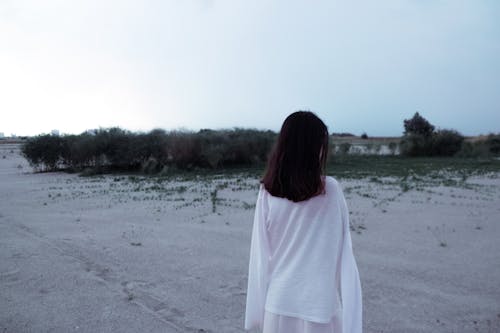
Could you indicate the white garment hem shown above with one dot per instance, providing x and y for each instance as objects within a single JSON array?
[
  {"x": 301, "y": 316},
  {"x": 274, "y": 323}
]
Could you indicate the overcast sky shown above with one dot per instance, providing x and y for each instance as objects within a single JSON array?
[{"x": 362, "y": 66}]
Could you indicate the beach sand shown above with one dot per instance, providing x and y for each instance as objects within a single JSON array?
[{"x": 120, "y": 253}]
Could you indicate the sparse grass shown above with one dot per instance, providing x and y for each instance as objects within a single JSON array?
[
  {"x": 395, "y": 176},
  {"x": 213, "y": 198},
  {"x": 246, "y": 205},
  {"x": 405, "y": 187},
  {"x": 373, "y": 167},
  {"x": 181, "y": 189},
  {"x": 341, "y": 167}
]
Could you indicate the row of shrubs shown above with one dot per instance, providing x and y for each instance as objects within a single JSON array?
[
  {"x": 449, "y": 143},
  {"x": 160, "y": 151},
  {"x": 151, "y": 152},
  {"x": 421, "y": 139}
]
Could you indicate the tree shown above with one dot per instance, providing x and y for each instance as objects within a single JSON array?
[
  {"x": 418, "y": 125},
  {"x": 417, "y": 138},
  {"x": 420, "y": 139}
]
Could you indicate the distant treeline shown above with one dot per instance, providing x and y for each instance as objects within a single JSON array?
[
  {"x": 156, "y": 151},
  {"x": 159, "y": 151},
  {"x": 422, "y": 139}
]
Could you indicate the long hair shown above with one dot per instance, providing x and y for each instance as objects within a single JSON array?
[{"x": 296, "y": 165}]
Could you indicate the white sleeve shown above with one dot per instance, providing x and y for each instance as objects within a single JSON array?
[
  {"x": 350, "y": 286},
  {"x": 258, "y": 270}
]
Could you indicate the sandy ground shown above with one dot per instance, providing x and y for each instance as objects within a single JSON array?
[{"x": 127, "y": 254}]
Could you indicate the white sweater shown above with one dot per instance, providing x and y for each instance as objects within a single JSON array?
[{"x": 301, "y": 261}]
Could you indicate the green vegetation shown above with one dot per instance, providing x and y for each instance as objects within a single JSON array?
[
  {"x": 213, "y": 198},
  {"x": 209, "y": 152},
  {"x": 158, "y": 151},
  {"x": 360, "y": 166},
  {"x": 420, "y": 139}
]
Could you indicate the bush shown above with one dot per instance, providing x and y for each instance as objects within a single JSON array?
[
  {"x": 445, "y": 143},
  {"x": 150, "y": 166},
  {"x": 483, "y": 148},
  {"x": 79, "y": 151},
  {"x": 184, "y": 150},
  {"x": 392, "y": 147},
  {"x": 344, "y": 148},
  {"x": 420, "y": 139},
  {"x": 115, "y": 148},
  {"x": 44, "y": 151},
  {"x": 414, "y": 145},
  {"x": 493, "y": 143},
  {"x": 153, "y": 144},
  {"x": 474, "y": 149},
  {"x": 440, "y": 143}
]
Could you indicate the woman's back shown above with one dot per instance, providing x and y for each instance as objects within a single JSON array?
[
  {"x": 302, "y": 274},
  {"x": 305, "y": 239}
]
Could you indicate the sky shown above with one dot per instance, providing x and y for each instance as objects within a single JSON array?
[{"x": 361, "y": 66}]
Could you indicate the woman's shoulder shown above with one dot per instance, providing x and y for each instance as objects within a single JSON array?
[
  {"x": 333, "y": 186},
  {"x": 331, "y": 181}
]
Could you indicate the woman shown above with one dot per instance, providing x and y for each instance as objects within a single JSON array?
[{"x": 302, "y": 273}]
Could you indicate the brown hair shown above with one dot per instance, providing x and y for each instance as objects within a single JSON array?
[{"x": 297, "y": 162}]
